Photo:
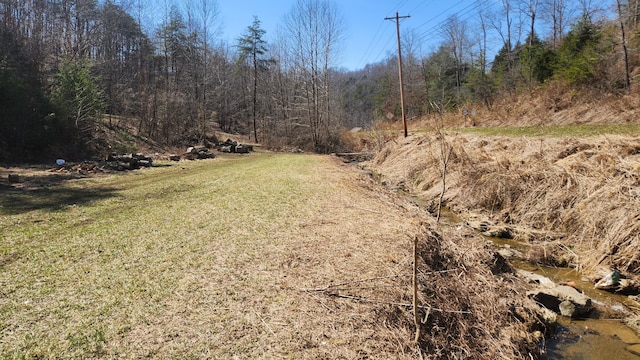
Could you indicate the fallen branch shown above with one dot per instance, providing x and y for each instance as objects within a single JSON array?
[
  {"x": 408, "y": 305},
  {"x": 356, "y": 282},
  {"x": 334, "y": 286},
  {"x": 363, "y": 209}
]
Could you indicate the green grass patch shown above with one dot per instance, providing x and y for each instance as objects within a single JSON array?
[
  {"x": 555, "y": 131},
  {"x": 85, "y": 262}
]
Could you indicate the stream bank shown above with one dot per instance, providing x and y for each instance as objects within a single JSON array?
[
  {"x": 601, "y": 333},
  {"x": 568, "y": 209}
]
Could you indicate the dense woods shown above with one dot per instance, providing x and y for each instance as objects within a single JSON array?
[{"x": 67, "y": 66}]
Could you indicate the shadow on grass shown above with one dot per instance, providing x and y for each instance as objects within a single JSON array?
[{"x": 52, "y": 198}]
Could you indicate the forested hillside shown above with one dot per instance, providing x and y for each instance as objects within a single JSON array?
[{"x": 67, "y": 66}]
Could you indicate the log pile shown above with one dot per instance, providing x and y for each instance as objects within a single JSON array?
[
  {"x": 129, "y": 161},
  {"x": 83, "y": 168},
  {"x": 230, "y": 146},
  {"x": 198, "y": 152},
  {"x": 113, "y": 162}
]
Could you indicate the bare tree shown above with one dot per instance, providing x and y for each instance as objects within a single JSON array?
[
  {"x": 509, "y": 30},
  {"x": 530, "y": 7},
  {"x": 624, "y": 45},
  {"x": 557, "y": 13},
  {"x": 209, "y": 12},
  {"x": 315, "y": 29},
  {"x": 455, "y": 33},
  {"x": 481, "y": 83},
  {"x": 412, "y": 51},
  {"x": 484, "y": 30}
]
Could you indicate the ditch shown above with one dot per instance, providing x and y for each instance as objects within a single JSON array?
[{"x": 592, "y": 338}]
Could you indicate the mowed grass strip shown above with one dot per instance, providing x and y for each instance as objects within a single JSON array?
[
  {"x": 560, "y": 131},
  {"x": 121, "y": 269}
]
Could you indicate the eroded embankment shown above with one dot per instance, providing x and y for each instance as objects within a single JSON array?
[
  {"x": 576, "y": 199},
  {"x": 584, "y": 193}
]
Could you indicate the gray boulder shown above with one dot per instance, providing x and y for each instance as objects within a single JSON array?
[{"x": 564, "y": 300}]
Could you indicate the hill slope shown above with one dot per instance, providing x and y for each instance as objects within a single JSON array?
[{"x": 578, "y": 194}]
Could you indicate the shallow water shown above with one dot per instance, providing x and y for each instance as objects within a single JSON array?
[
  {"x": 591, "y": 339},
  {"x": 587, "y": 339}
]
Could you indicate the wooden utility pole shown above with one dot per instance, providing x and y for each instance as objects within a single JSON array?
[{"x": 404, "y": 117}]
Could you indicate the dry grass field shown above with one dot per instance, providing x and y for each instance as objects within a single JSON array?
[{"x": 267, "y": 256}]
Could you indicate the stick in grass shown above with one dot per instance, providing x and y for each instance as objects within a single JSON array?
[{"x": 415, "y": 288}]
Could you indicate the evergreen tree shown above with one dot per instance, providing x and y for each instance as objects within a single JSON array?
[
  {"x": 537, "y": 60},
  {"x": 252, "y": 48},
  {"x": 578, "y": 55},
  {"x": 76, "y": 95}
]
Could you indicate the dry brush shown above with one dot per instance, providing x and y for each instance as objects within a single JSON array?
[{"x": 581, "y": 193}]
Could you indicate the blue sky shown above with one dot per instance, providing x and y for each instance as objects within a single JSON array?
[{"x": 368, "y": 37}]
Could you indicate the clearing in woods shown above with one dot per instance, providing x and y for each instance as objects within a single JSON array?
[{"x": 205, "y": 259}]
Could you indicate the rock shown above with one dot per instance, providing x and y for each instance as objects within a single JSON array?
[
  {"x": 174, "y": 157},
  {"x": 491, "y": 230},
  {"x": 549, "y": 317},
  {"x": 567, "y": 308},
  {"x": 502, "y": 232},
  {"x": 629, "y": 287},
  {"x": 499, "y": 264},
  {"x": 506, "y": 253},
  {"x": 536, "y": 279},
  {"x": 481, "y": 226},
  {"x": 14, "y": 178},
  {"x": 552, "y": 298}
]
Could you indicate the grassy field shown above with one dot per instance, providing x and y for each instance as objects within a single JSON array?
[
  {"x": 202, "y": 259},
  {"x": 585, "y": 130}
]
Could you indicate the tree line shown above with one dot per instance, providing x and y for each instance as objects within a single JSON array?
[
  {"x": 67, "y": 66},
  {"x": 502, "y": 49}
]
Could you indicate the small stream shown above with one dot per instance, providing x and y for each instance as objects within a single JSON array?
[
  {"x": 588, "y": 339},
  {"x": 584, "y": 339}
]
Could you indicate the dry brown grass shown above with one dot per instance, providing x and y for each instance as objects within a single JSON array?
[
  {"x": 471, "y": 301},
  {"x": 584, "y": 193},
  {"x": 267, "y": 256},
  {"x": 559, "y": 104}
]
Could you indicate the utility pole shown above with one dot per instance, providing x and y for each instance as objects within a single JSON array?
[{"x": 404, "y": 117}]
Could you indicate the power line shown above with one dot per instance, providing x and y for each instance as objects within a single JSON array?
[
  {"x": 396, "y": 8},
  {"x": 374, "y": 40},
  {"x": 377, "y": 36},
  {"x": 424, "y": 3},
  {"x": 462, "y": 14},
  {"x": 384, "y": 48},
  {"x": 464, "y": 10}
]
